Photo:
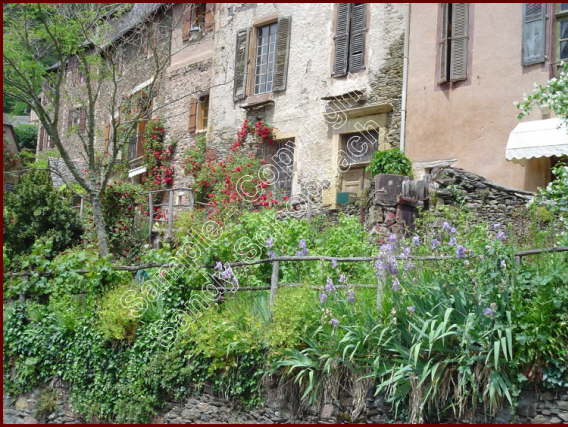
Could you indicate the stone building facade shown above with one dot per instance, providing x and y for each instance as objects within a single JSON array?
[{"x": 326, "y": 77}]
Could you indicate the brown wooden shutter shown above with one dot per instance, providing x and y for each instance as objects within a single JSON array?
[
  {"x": 210, "y": 17},
  {"x": 186, "y": 22},
  {"x": 443, "y": 45},
  {"x": 106, "y": 137},
  {"x": 282, "y": 53},
  {"x": 192, "y": 120},
  {"x": 342, "y": 39},
  {"x": 241, "y": 57},
  {"x": 534, "y": 33},
  {"x": 459, "y": 41},
  {"x": 82, "y": 119},
  {"x": 140, "y": 141},
  {"x": 357, "y": 37}
]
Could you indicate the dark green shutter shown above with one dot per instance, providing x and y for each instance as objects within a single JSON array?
[
  {"x": 534, "y": 33},
  {"x": 443, "y": 44},
  {"x": 459, "y": 41},
  {"x": 282, "y": 52},
  {"x": 357, "y": 38},
  {"x": 342, "y": 25},
  {"x": 241, "y": 59}
]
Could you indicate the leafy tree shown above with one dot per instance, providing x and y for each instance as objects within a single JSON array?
[
  {"x": 36, "y": 210},
  {"x": 26, "y": 136},
  {"x": 82, "y": 37},
  {"x": 553, "y": 95}
]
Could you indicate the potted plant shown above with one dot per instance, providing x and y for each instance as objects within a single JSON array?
[{"x": 390, "y": 168}]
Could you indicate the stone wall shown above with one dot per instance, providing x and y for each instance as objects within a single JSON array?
[
  {"x": 281, "y": 407},
  {"x": 487, "y": 201}
]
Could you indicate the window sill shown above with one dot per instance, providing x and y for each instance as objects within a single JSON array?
[{"x": 256, "y": 102}]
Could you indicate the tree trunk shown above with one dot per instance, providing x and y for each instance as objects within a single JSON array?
[{"x": 100, "y": 228}]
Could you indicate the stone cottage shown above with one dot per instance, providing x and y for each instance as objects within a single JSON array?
[{"x": 327, "y": 77}]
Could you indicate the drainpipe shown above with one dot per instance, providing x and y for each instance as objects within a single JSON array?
[{"x": 404, "y": 82}]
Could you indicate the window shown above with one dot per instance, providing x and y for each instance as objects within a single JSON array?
[
  {"x": 265, "y": 53},
  {"x": 198, "y": 18},
  {"x": 76, "y": 120},
  {"x": 562, "y": 32},
  {"x": 357, "y": 150},
  {"x": 453, "y": 42},
  {"x": 138, "y": 109},
  {"x": 350, "y": 29},
  {"x": 203, "y": 113},
  {"x": 268, "y": 59},
  {"x": 280, "y": 155}
]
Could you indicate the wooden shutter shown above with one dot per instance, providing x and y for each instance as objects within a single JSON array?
[
  {"x": 282, "y": 53},
  {"x": 443, "y": 44},
  {"x": 140, "y": 140},
  {"x": 357, "y": 37},
  {"x": 342, "y": 25},
  {"x": 534, "y": 33},
  {"x": 241, "y": 57},
  {"x": 82, "y": 119},
  {"x": 186, "y": 22},
  {"x": 210, "y": 17},
  {"x": 192, "y": 119},
  {"x": 106, "y": 137},
  {"x": 459, "y": 42}
]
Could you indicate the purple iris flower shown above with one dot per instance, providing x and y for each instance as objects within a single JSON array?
[
  {"x": 392, "y": 267},
  {"x": 323, "y": 298},
  {"x": 396, "y": 285},
  {"x": 435, "y": 243},
  {"x": 342, "y": 278},
  {"x": 302, "y": 244},
  {"x": 503, "y": 264},
  {"x": 329, "y": 287},
  {"x": 496, "y": 226},
  {"x": 271, "y": 254},
  {"x": 453, "y": 230},
  {"x": 334, "y": 322},
  {"x": 446, "y": 226},
  {"x": 488, "y": 311},
  {"x": 269, "y": 242},
  {"x": 379, "y": 265},
  {"x": 501, "y": 236},
  {"x": 405, "y": 252},
  {"x": 416, "y": 240},
  {"x": 218, "y": 266},
  {"x": 334, "y": 263},
  {"x": 460, "y": 251},
  {"x": 411, "y": 309},
  {"x": 350, "y": 296},
  {"x": 452, "y": 241},
  {"x": 387, "y": 248},
  {"x": 392, "y": 238}
]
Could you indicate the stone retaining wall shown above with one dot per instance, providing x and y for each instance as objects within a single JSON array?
[{"x": 532, "y": 408}]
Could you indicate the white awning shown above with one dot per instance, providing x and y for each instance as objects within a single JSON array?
[
  {"x": 538, "y": 138},
  {"x": 136, "y": 171}
]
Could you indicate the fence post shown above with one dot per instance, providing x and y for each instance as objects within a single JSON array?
[
  {"x": 380, "y": 288},
  {"x": 274, "y": 282},
  {"x": 150, "y": 216},
  {"x": 170, "y": 213}
]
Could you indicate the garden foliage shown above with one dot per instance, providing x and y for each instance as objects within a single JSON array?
[{"x": 447, "y": 337}]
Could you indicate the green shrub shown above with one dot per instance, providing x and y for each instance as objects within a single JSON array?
[
  {"x": 391, "y": 161},
  {"x": 26, "y": 136},
  {"x": 36, "y": 210}
]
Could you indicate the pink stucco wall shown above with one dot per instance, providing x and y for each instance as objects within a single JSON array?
[{"x": 472, "y": 120}]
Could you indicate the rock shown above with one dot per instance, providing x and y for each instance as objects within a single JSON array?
[
  {"x": 545, "y": 412},
  {"x": 562, "y": 404},
  {"x": 21, "y": 404},
  {"x": 327, "y": 411},
  {"x": 554, "y": 420},
  {"x": 30, "y": 420},
  {"x": 540, "y": 419},
  {"x": 546, "y": 396},
  {"x": 527, "y": 407},
  {"x": 563, "y": 416}
]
